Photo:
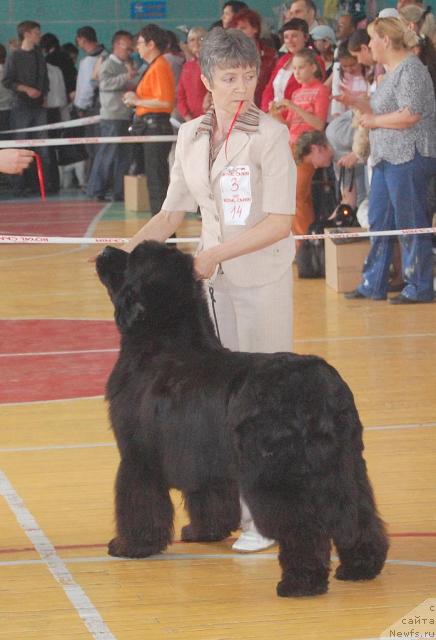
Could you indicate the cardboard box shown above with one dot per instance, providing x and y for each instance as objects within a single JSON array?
[
  {"x": 344, "y": 260},
  {"x": 136, "y": 193}
]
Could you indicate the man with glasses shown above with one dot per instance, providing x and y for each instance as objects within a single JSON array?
[{"x": 117, "y": 75}]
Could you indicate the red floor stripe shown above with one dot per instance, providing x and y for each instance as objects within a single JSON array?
[
  {"x": 49, "y": 218},
  {"x": 37, "y": 336},
  {"x": 33, "y": 376},
  {"x": 38, "y": 378},
  {"x": 72, "y": 547}
]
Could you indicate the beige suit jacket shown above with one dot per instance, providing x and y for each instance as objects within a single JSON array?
[{"x": 273, "y": 182}]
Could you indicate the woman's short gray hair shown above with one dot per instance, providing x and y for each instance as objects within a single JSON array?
[{"x": 227, "y": 48}]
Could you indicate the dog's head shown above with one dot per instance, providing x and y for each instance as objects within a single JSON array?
[
  {"x": 153, "y": 286},
  {"x": 111, "y": 266}
]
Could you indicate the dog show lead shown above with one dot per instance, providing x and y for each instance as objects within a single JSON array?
[{"x": 244, "y": 184}]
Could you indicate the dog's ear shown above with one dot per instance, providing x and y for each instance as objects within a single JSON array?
[
  {"x": 111, "y": 266},
  {"x": 128, "y": 309}
]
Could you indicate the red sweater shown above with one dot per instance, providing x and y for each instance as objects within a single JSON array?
[
  {"x": 314, "y": 98},
  {"x": 267, "y": 64},
  {"x": 191, "y": 90},
  {"x": 268, "y": 93}
]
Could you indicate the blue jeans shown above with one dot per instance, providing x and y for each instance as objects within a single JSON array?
[
  {"x": 111, "y": 162},
  {"x": 398, "y": 200}
]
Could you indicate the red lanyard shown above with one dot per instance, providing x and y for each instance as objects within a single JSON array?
[
  {"x": 40, "y": 176},
  {"x": 235, "y": 117}
]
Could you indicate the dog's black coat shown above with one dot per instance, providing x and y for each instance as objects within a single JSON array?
[{"x": 281, "y": 429}]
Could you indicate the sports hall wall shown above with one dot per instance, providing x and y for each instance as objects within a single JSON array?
[{"x": 63, "y": 17}]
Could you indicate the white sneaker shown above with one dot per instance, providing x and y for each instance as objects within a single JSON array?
[{"x": 250, "y": 541}]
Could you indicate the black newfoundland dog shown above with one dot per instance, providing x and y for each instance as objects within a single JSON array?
[{"x": 280, "y": 429}]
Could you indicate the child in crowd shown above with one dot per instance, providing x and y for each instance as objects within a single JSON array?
[
  {"x": 307, "y": 111},
  {"x": 324, "y": 42},
  {"x": 348, "y": 76}
]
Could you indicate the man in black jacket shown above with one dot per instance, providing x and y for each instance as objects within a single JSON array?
[{"x": 26, "y": 76}]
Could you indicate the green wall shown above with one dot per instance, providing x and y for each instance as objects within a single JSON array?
[{"x": 63, "y": 17}]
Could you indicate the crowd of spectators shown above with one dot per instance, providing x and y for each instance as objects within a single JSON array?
[{"x": 317, "y": 73}]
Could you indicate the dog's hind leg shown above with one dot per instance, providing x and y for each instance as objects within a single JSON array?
[
  {"x": 304, "y": 545},
  {"x": 144, "y": 511},
  {"x": 214, "y": 512},
  {"x": 361, "y": 541}
]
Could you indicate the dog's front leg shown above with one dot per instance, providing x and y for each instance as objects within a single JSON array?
[
  {"x": 144, "y": 511},
  {"x": 305, "y": 560},
  {"x": 214, "y": 512}
]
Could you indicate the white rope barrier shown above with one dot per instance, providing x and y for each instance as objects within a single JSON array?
[
  {"x": 72, "y": 124},
  {"x": 13, "y": 239},
  {"x": 9, "y": 239},
  {"x": 64, "y": 124},
  {"x": 61, "y": 142}
]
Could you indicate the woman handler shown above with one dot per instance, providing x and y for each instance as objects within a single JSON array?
[{"x": 235, "y": 164}]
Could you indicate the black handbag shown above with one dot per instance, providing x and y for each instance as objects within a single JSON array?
[
  {"x": 345, "y": 214},
  {"x": 310, "y": 257}
]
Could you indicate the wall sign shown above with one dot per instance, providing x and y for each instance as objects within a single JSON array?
[{"x": 148, "y": 10}]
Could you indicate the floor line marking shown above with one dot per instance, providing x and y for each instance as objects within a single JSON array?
[
  {"x": 41, "y": 256},
  {"x": 94, "y": 222},
  {"x": 56, "y": 447},
  {"x": 92, "y": 445},
  {"x": 88, "y": 233},
  {"x": 57, "y": 353},
  {"x": 166, "y": 557},
  {"x": 297, "y": 341},
  {"x": 417, "y": 425},
  {"x": 55, "y": 319},
  {"x": 400, "y": 336},
  {"x": 57, "y": 567},
  {"x": 29, "y": 402},
  {"x": 103, "y": 545}
]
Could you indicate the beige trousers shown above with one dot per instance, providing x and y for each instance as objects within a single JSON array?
[{"x": 254, "y": 319}]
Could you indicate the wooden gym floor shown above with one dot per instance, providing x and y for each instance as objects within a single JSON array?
[{"x": 58, "y": 461}]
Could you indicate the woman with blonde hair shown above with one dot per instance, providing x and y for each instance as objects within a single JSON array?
[
  {"x": 419, "y": 20},
  {"x": 401, "y": 120}
]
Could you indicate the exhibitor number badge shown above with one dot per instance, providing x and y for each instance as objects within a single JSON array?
[{"x": 236, "y": 194}]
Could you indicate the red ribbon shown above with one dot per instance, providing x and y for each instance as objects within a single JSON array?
[
  {"x": 235, "y": 117},
  {"x": 40, "y": 176}
]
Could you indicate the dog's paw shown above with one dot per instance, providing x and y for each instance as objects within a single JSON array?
[
  {"x": 189, "y": 535},
  {"x": 358, "y": 571},
  {"x": 121, "y": 549},
  {"x": 292, "y": 588}
]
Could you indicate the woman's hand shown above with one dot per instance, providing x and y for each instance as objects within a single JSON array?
[
  {"x": 346, "y": 98},
  {"x": 14, "y": 161},
  {"x": 130, "y": 99},
  {"x": 205, "y": 264},
  {"x": 284, "y": 104},
  {"x": 275, "y": 111},
  {"x": 368, "y": 121},
  {"x": 348, "y": 161}
]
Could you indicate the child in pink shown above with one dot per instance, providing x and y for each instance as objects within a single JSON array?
[{"x": 307, "y": 111}]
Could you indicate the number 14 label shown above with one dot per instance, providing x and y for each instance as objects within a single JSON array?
[{"x": 236, "y": 194}]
